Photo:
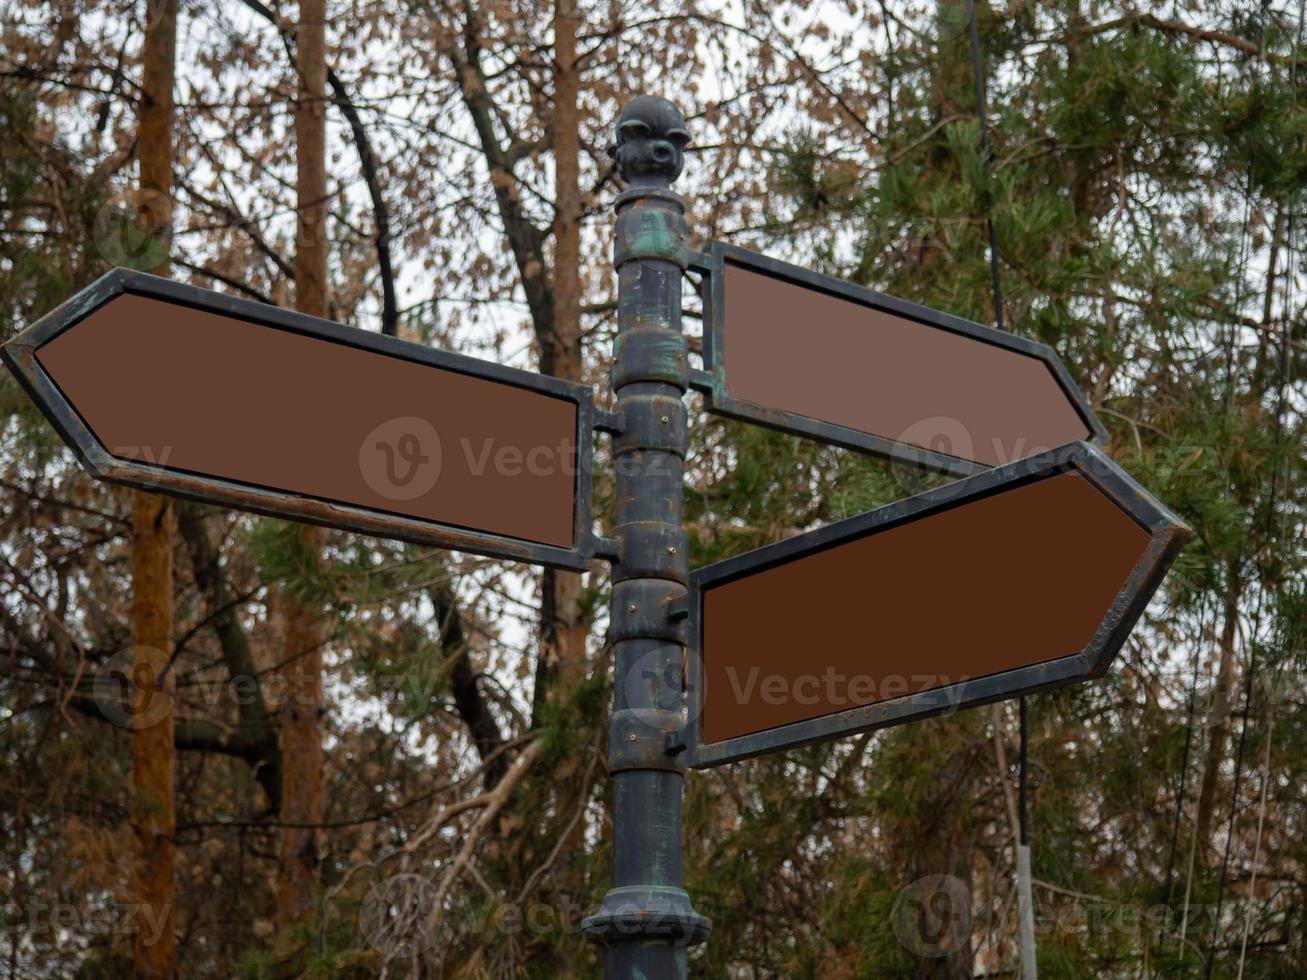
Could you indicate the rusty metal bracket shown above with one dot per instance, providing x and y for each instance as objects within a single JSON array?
[
  {"x": 606, "y": 549},
  {"x": 702, "y": 263},
  {"x": 678, "y": 608},
  {"x": 704, "y": 381},
  {"x": 614, "y": 422}
]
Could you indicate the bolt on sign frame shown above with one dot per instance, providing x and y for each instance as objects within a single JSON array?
[
  {"x": 819, "y": 357},
  {"x": 1024, "y": 577},
  {"x": 164, "y": 386}
]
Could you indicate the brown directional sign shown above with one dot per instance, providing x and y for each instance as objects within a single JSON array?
[
  {"x": 1020, "y": 578},
  {"x": 824, "y": 358},
  {"x": 165, "y": 386}
]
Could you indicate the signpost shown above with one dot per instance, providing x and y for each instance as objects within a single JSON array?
[
  {"x": 1019, "y": 578},
  {"x": 823, "y": 358},
  {"x": 164, "y": 386}
]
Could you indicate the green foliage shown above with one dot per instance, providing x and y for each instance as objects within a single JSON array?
[{"x": 285, "y": 559}]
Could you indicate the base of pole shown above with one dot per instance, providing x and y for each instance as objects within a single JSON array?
[{"x": 635, "y": 912}]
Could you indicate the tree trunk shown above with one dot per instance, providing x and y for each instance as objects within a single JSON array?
[
  {"x": 154, "y": 820},
  {"x": 941, "y": 844},
  {"x": 563, "y": 627},
  {"x": 953, "y": 859},
  {"x": 303, "y": 634},
  {"x": 1218, "y": 724},
  {"x": 303, "y": 628}
]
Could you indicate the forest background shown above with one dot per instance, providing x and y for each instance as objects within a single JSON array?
[{"x": 352, "y": 722}]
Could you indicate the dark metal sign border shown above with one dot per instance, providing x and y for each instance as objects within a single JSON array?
[
  {"x": 1168, "y": 534},
  {"x": 719, "y": 401},
  {"x": 20, "y": 354}
]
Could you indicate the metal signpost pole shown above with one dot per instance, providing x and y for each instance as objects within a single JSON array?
[{"x": 646, "y": 921}]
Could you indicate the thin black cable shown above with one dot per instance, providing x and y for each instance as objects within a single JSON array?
[
  {"x": 1023, "y": 822},
  {"x": 996, "y": 283},
  {"x": 977, "y": 77}
]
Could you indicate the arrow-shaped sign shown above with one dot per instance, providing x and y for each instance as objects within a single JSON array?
[
  {"x": 165, "y": 386},
  {"x": 823, "y": 358},
  {"x": 1020, "y": 578}
]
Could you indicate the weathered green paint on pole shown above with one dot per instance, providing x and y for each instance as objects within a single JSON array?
[{"x": 646, "y": 920}]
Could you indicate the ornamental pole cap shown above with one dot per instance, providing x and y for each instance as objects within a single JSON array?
[{"x": 651, "y": 139}]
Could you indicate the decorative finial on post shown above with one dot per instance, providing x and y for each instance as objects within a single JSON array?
[{"x": 651, "y": 141}]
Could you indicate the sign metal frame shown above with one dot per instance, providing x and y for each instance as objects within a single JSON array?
[
  {"x": 718, "y": 400},
  {"x": 20, "y": 354},
  {"x": 1167, "y": 536}
]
